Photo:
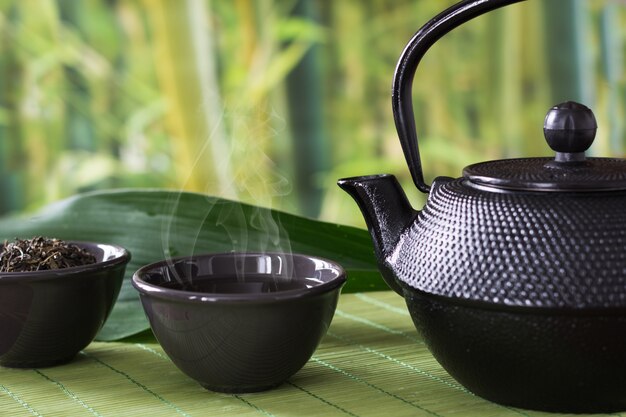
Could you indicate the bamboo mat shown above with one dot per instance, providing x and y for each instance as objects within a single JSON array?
[{"x": 371, "y": 363}]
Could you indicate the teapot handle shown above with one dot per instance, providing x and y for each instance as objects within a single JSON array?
[{"x": 414, "y": 51}]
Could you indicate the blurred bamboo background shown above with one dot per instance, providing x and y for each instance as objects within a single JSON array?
[{"x": 271, "y": 101}]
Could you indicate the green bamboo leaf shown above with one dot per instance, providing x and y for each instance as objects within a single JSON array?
[{"x": 154, "y": 224}]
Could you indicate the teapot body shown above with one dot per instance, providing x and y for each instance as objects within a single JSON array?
[
  {"x": 521, "y": 297},
  {"x": 527, "y": 249}
]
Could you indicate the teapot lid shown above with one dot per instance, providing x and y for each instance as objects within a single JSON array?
[{"x": 569, "y": 129}]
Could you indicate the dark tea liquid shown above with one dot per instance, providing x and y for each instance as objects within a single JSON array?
[{"x": 237, "y": 285}]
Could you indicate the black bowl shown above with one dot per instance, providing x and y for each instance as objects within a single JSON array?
[
  {"x": 240, "y": 322},
  {"x": 47, "y": 317},
  {"x": 544, "y": 359}
]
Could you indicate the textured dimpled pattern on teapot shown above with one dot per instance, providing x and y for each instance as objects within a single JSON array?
[{"x": 517, "y": 248}]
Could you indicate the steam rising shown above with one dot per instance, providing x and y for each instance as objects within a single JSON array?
[
  {"x": 233, "y": 150},
  {"x": 242, "y": 231}
]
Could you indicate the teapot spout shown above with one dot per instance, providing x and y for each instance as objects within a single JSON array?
[{"x": 387, "y": 213}]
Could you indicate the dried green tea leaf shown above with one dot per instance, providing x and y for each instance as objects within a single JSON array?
[{"x": 40, "y": 254}]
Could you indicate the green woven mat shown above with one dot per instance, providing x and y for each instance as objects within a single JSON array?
[{"x": 371, "y": 363}]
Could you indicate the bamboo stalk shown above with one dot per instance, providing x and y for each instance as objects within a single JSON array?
[
  {"x": 534, "y": 72},
  {"x": 79, "y": 129},
  {"x": 11, "y": 176},
  {"x": 186, "y": 72},
  {"x": 568, "y": 51},
  {"x": 613, "y": 68},
  {"x": 511, "y": 82},
  {"x": 41, "y": 114},
  {"x": 305, "y": 100}
]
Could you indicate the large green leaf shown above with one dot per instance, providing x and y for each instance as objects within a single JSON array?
[{"x": 155, "y": 224}]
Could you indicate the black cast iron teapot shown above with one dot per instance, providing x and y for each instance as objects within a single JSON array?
[{"x": 515, "y": 273}]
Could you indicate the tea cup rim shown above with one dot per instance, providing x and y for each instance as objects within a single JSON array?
[{"x": 148, "y": 289}]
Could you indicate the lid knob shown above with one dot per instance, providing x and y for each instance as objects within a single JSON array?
[{"x": 569, "y": 129}]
